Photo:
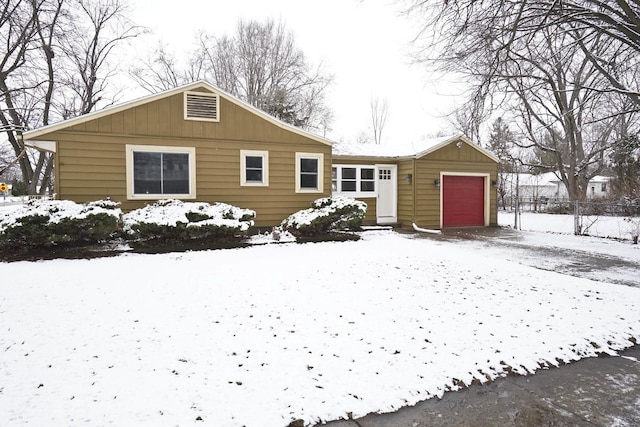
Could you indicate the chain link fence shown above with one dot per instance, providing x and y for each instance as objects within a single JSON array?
[{"x": 605, "y": 218}]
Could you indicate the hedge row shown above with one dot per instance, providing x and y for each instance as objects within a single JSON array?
[
  {"x": 46, "y": 224},
  {"x": 61, "y": 223}
]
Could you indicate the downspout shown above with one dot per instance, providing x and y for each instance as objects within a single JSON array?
[
  {"x": 56, "y": 175},
  {"x": 413, "y": 190}
]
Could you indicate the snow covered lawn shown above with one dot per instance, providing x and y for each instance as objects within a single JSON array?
[{"x": 265, "y": 335}]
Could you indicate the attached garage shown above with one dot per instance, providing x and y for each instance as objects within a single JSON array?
[{"x": 439, "y": 183}]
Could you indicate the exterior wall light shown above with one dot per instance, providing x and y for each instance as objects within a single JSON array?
[
  {"x": 409, "y": 178},
  {"x": 436, "y": 182},
  {"x": 494, "y": 184}
]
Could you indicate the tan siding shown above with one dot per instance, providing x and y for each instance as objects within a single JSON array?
[
  {"x": 96, "y": 170},
  {"x": 117, "y": 123},
  {"x": 405, "y": 193},
  {"x": 466, "y": 153},
  {"x": 153, "y": 119},
  {"x": 140, "y": 120},
  {"x": 129, "y": 121},
  {"x": 370, "y": 217}
]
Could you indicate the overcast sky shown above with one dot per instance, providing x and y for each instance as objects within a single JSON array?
[{"x": 364, "y": 44}]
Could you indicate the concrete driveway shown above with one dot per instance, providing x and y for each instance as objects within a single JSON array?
[{"x": 593, "y": 258}]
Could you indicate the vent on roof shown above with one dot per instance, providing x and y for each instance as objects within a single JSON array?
[{"x": 201, "y": 106}]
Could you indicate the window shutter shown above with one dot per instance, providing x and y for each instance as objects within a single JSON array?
[{"x": 201, "y": 106}]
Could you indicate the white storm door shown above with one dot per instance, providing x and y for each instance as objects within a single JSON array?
[{"x": 387, "y": 183}]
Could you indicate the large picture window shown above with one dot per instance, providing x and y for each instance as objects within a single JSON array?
[
  {"x": 254, "y": 168},
  {"x": 354, "y": 180},
  {"x": 160, "y": 172},
  {"x": 309, "y": 172}
]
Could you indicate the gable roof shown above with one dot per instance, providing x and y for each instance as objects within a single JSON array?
[
  {"x": 414, "y": 150},
  {"x": 165, "y": 94}
]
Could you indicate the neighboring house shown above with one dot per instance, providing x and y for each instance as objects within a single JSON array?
[
  {"x": 598, "y": 187},
  {"x": 195, "y": 143},
  {"x": 540, "y": 188},
  {"x": 532, "y": 186},
  {"x": 437, "y": 183}
]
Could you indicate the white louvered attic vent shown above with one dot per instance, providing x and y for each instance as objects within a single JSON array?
[{"x": 201, "y": 106}]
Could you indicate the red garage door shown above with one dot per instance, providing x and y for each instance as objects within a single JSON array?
[{"x": 462, "y": 201}]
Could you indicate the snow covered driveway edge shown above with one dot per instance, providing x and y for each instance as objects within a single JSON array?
[{"x": 265, "y": 335}]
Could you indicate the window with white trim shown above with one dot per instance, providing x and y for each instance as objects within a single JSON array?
[
  {"x": 254, "y": 168},
  {"x": 354, "y": 180},
  {"x": 156, "y": 172},
  {"x": 309, "y": 172}
]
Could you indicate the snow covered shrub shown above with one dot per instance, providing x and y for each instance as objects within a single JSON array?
[
  {"x": 47, "y": 223},
  {"x": 334, "y": 213},
  {"x": 175, "y": 221}
]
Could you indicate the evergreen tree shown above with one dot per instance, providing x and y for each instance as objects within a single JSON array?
[
  {"x": 625, "y": 159},
  {"x": 501, "y": 142}
]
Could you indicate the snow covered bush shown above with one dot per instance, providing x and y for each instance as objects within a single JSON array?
[
  {"x": 175, "y": 221},
  {"x": 328, "y": 214},
  {"x": 47, "y": 223}
]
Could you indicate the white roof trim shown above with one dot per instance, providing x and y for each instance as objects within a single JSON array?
[
  {"x": 157, "y": 96},
  {"x": 42, "y": 145}
]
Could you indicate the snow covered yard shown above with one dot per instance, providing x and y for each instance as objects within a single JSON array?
[{"x": 265, "y": 335}]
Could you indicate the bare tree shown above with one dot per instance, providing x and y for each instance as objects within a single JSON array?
[
  {"x": 379, "y": 113},
  {"x": 468, "y": 120},
  {"x": 54, "y": 67},
  {"x": 461, "y": 30},
  {"x": 260, "y": 64},
  {"x": 28, "y": 29},
  {"x": 562, "y": 108},
  {"x": 544, "y": 70},
  {"x": 98, "y": 28}
]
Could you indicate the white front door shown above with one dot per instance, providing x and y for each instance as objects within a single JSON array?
[{"x": 387, "y": 182}]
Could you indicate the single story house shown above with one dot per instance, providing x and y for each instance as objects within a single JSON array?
[
  {"x": 194, "y": 143},
  {"x": 199, "y": 143},
  {"x": 435, "y": 183}
]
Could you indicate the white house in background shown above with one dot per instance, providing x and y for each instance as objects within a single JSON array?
[
  {"x": 548, "y": 187},
  {"x": 598, "y": 187}
]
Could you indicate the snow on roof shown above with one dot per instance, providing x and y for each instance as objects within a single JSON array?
[
  {"x": 600, "y": 178},
  {"x": 536, "y": 180},
  {"x": 392, "y": 149}
]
